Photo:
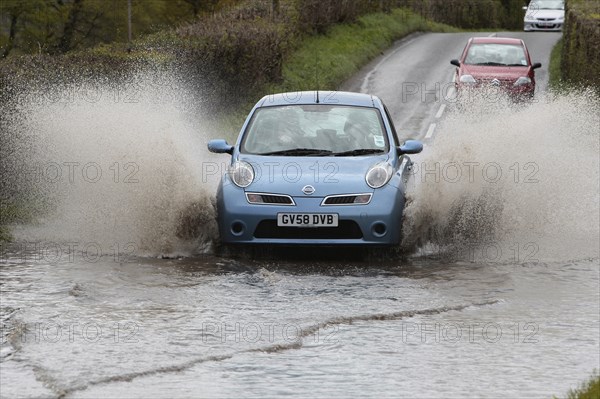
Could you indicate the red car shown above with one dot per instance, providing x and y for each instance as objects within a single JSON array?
[{"x": 498, "y": 63}]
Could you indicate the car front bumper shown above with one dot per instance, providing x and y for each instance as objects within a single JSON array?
[
  {"x": 535, "y": 26},
  {"x": 486, "y": 91},
  {"x": 376, "y": 223}
]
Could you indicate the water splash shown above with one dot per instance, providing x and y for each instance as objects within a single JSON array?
[
  {"x": 511, "y": 183},
  {"x": 118, "y": 167},
  {"x": 125, "y": 168}
]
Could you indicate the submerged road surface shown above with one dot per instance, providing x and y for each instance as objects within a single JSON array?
[{"x": 497, "y": 297}]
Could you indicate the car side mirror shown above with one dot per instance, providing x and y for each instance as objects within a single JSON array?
[
  {"x": 220, "y": 146},
  {"x": 537, "y": 65},
  {"x": 455, "y": 62},
  {"x": 410, "y": 147}
]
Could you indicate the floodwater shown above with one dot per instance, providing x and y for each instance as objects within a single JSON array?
[
  {"x": 214, "y": 327},
  {"x": 118, "y": 291}
]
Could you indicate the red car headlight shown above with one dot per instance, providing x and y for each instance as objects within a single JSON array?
[{"x": 523, "y": 80}]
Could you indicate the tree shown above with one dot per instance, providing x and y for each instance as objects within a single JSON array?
[
  {"x": 60, "y": 26},
  {"x": 23, "y": 25},
  {"x": 65, "y": 42}
]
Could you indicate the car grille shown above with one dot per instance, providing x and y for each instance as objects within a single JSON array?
[
  {"x": 347, "y": 229},
  {"x": 503, "y": 82},
  {"x": 276, "y": 199}
]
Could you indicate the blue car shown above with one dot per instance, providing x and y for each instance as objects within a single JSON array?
[{"x": 315, "y": 168}]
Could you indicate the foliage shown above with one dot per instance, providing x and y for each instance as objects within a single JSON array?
[
  {"x": 59, "y": 26},
  {"x": 554, "y": 72},
  {"x": 581, "y": 43},
  {"x": 471, "y": 14},
  {"x": 588, "y": 390}
]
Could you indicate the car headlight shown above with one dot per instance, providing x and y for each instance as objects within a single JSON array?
[
  {"x": 241, "y": 173},
  {"x": 467, "y": 79},
  {"x": 523, "y": 80},
  {"x": 379, "y": 175}
]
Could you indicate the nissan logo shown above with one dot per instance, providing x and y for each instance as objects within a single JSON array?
[{"x": 308, "y": 190}]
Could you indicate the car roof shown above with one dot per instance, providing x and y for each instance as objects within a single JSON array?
[
  {"x": 324, "y": 97},
  {"x": 498, "y": 40}
]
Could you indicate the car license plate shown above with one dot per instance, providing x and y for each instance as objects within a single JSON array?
[
  {"x": 307, "y": 220},
  {"x": 545, "y": 24}
]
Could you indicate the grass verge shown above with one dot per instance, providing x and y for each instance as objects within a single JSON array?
[
  {"x": 590, "y": 389},
  {"x": 328, "y": 60},
  {"x": 554, "y": 72}
]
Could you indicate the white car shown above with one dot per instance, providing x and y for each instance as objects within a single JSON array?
[{"x": 544, "y": 15}]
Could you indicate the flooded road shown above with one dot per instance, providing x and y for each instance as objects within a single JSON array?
[
  {"x": 212, "y": 327},
  {"x": 118, "y": 290}
]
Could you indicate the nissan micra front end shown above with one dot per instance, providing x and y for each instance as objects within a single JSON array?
[{"x": 315, "y": 168}]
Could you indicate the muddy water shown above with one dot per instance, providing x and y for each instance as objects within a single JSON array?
[
  {"x": 216, "y": 327},
  {"x": 496, "y": 292}
]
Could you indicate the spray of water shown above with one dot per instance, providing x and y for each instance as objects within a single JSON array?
[
  {"x": 512, "y": 183},
  {"x": 126, "y": 169},
  {"x": 120, "y": 168}
]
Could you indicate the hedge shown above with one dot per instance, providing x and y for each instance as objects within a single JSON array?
[
  {"x": 581, "y": 43},
  {"x": 471, "y": 14}
]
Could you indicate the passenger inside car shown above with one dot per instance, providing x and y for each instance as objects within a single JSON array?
[{"x": 359, "y": 132}]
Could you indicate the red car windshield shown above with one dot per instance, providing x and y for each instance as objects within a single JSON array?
[{"x": 496, "y": 54}]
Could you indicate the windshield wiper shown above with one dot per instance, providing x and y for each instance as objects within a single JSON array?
[
  {"x": 299, "y": 152},
  {"x": 362, "y": 151},
  {"x": 491, "y": 63}
]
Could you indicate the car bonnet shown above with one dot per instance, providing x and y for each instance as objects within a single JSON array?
[{"x": 545, "y": 14}]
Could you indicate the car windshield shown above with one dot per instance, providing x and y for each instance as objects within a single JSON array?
[
  {"x": 496, "y": 54},
  {"x": 315, "y": 130},
  {"x": 547, "y": 5}
]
